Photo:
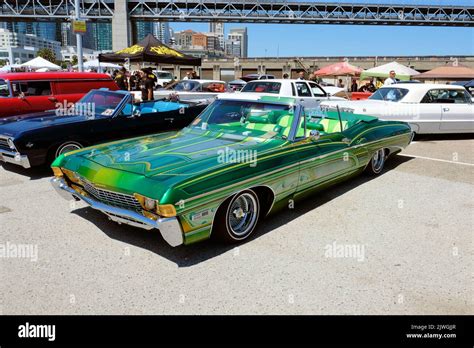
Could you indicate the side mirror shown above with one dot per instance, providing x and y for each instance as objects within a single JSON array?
[{"x": 314, "y": 135}]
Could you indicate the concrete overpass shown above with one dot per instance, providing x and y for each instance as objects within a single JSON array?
[
  {"x": 229, "y": 69},
  {"x": 122, "y": 12}
]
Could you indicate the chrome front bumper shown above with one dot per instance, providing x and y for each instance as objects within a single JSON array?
[
  {"x": 170, "y": 228},
  {"x": 15, "y": 158}
]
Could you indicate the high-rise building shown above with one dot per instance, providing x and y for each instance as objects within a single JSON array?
[
  {"x": 218, "y": 29},
  {"x": 99, "y": 37},
  {"x": 162, "y": 31},
  {"x": 19, "y": 48},
  {"x": 141, "y": 30},
  {"x": 238, "y": 35},
  {"x": 45, "y": 30}
]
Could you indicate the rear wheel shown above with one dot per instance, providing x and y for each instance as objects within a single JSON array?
[
  {"x": 237, "y": 217},
  {"x": 377, "y": 162}
]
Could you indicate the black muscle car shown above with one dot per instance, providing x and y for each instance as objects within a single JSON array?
[{"x": 100, "y": 116}]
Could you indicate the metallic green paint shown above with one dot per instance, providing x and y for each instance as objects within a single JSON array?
[{"x": 183, "y": 168}]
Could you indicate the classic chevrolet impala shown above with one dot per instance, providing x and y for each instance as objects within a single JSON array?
[{"x": 238, "y": 161}]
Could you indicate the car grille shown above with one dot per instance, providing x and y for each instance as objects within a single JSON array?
[
  {"x": 115, "y": 199},
  {"x": 4, "y": 144}
]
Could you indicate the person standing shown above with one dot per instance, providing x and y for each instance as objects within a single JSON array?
[
  {"x": 354, "y": 86},
  {"x": 188, "y": 76},
  {"x": 301, "y": 75},
  {"x": 285, "y": 76},
  {"x": 340, "y": 84},
  {"x": 121, "y": 79},
  {"x": 391, "y": 79},
  {"x": 146, "y": 86}
]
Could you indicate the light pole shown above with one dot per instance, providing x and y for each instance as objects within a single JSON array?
[{"x": 80, "y": 65}]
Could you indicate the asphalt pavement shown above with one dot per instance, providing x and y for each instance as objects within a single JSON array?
[{"x": 399, "y": 243}]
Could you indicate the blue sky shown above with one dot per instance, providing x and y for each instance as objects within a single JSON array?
[{"x": 353, "y": 40}]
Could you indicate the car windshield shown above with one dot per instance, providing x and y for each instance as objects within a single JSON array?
[
  {"x": 164, "y": 75},
  {"x": 262, "y": 87},
  {"x": 4, "y": 90},
  {"x": 255, "y": 118},
  {"x": 389, "y": 94},
  {"x": 186, "y": 85},
  {"x": 101, "y": 102}
]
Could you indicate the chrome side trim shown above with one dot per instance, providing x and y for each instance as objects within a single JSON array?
[
  {"x": 170, "y": 228},
  {"x": 15, "y": 158}
]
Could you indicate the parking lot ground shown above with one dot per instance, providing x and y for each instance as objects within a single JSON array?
[{"x": 400, "y": 243}]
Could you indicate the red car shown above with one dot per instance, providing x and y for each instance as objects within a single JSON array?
[{"x": 22, "y": 93}]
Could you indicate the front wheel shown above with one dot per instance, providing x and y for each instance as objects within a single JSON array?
[
  {"x": 237, "y": 218},
  {"x": 66, "y": 147},
  {"x": 377, "y": 162}
]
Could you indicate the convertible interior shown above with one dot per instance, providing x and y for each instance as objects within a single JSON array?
[{"x": 154, "y": 106}]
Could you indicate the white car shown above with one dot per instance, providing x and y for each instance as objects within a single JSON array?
[
  {"x": 163, "y": 77},
  {"x": 308, "y": 92},
  {"x": 190, "y": 90},
  {"x": 428, "y": 108}
]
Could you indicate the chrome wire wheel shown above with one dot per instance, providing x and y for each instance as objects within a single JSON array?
[
  {"x": 378, "y": 161},
  {"x": 242, "y": 214},
  {"x": 66, "y": 147}
]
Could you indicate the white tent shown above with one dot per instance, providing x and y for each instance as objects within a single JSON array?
[
  {"x": 95, "y": 64},
  {"x": 402, "y": 72},
  {"x": 8, "y": 68},
  {"x": 41, "y": 63}
]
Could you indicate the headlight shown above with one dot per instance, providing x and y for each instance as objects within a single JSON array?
[
  {"x": 150, "y": 204},
  {"x": 10, "y": 143},
  {"x": 153, "y": 206}
]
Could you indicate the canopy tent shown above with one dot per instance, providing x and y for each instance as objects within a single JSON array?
[
  {"x": 152, "y": 50},
  {"x": 8, "y": 68},
  {"x": 96, "y": 64},
  {"x": 40, "y": 63},
  {"x": 448, "y": 72},
  {"x": 402, "y": 72},
  {"x": 339, "y": 69}
]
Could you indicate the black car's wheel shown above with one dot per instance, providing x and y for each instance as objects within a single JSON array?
[
  {"x": 377, "y": 162},
  {"x": 237, "y": 217},
  {"x": 66, "y": 147}
]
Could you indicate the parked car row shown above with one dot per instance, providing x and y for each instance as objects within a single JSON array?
[
  {"x": 428, "y": 108},
  {"x": 193, "y": 169}
]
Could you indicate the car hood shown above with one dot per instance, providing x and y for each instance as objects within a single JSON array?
[
  {"x": 185, "y": 153},
  {"x": 13, "y": 125}
]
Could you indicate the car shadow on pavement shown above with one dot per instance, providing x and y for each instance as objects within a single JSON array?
[
  {"x": 187, "y": 256},
  {"x": 34, "y": 173}
]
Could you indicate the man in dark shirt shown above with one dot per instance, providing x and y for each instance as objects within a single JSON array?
[
  {"x": 121, "y": 79},
  {"x": 146, "y": 86}
]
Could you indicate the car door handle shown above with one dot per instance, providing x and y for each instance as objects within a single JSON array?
[
  {"x": 445, "y": 109},
  {"x": 169, "y": 119},
  {"x": 52, "y": 99}
]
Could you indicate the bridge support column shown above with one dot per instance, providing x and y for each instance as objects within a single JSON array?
[
  {"x": 121, "y": 26},
  {"x": 177, "y": 72},
  {"x": 238, "y": 71},
  {"x": 286, "y": 69},
  {"x": 216, "y": 72}
]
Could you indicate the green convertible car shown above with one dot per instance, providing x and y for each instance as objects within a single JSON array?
[{"x": 237, "y": 162}]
